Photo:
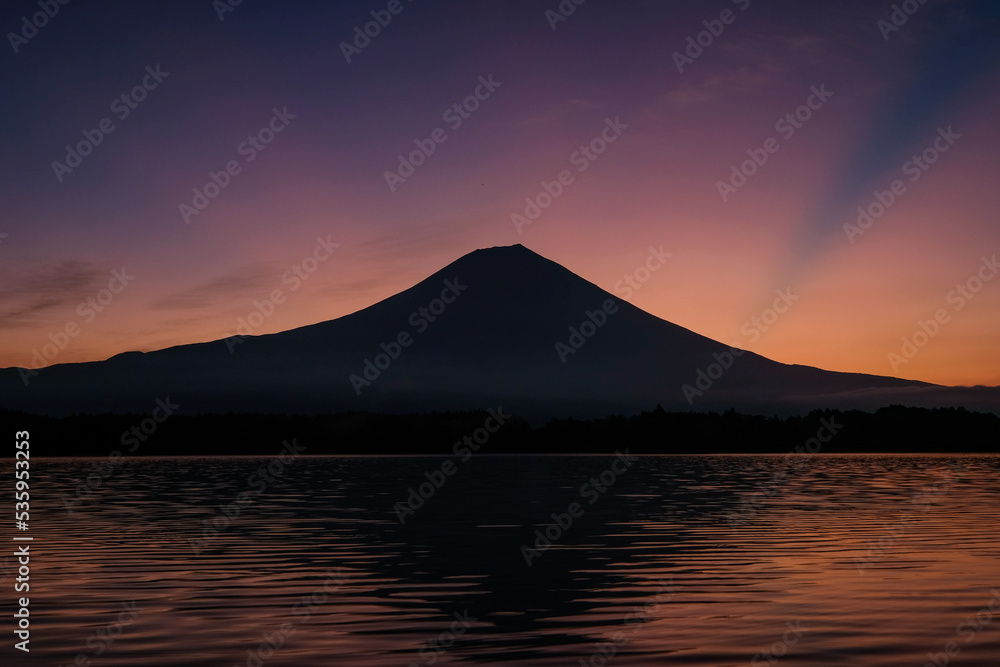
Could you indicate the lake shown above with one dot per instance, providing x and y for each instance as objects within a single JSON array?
[{"x": 535, "y": 560}]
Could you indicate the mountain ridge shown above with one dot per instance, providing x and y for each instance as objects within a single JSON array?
[{"x": 500, "y": 325}]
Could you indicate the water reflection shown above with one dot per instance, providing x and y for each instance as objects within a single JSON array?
[{"x": 874, "y": 559}]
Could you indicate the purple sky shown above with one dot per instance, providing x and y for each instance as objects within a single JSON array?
[{"x": 204, "y": 93}]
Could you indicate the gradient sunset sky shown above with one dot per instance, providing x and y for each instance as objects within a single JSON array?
[{"x": 889, "y": 95}]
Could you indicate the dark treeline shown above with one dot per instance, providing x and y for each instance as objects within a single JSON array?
[{"x": 891, "y": 429}]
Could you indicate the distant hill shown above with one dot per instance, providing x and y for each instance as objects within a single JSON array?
[
  {"x": 463, "y": 434},
  {"x": 492, "y": 328}
]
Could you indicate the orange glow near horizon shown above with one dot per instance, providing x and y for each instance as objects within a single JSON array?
[{"x": 655, "y": 185}]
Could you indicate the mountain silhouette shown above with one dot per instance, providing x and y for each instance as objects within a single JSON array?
[{"x": 500, "y": 326}]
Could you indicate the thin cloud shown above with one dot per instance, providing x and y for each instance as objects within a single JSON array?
[
  {"x": 27, "y": 301},
  {"x": 716, "y": 87},
  {"x": 557, "y": 112},
  {"x": 224, "y": 287}
]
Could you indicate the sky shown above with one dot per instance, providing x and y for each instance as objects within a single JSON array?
[{"x": 816, "y": 182}]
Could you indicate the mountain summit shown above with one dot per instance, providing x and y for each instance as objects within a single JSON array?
[{"x": 499, "y": 326}]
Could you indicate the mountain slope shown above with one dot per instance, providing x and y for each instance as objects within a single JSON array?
[{"x": 487, "y": 336}]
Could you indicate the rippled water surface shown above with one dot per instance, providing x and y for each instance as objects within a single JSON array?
[{"x": 698, "y": 560}]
